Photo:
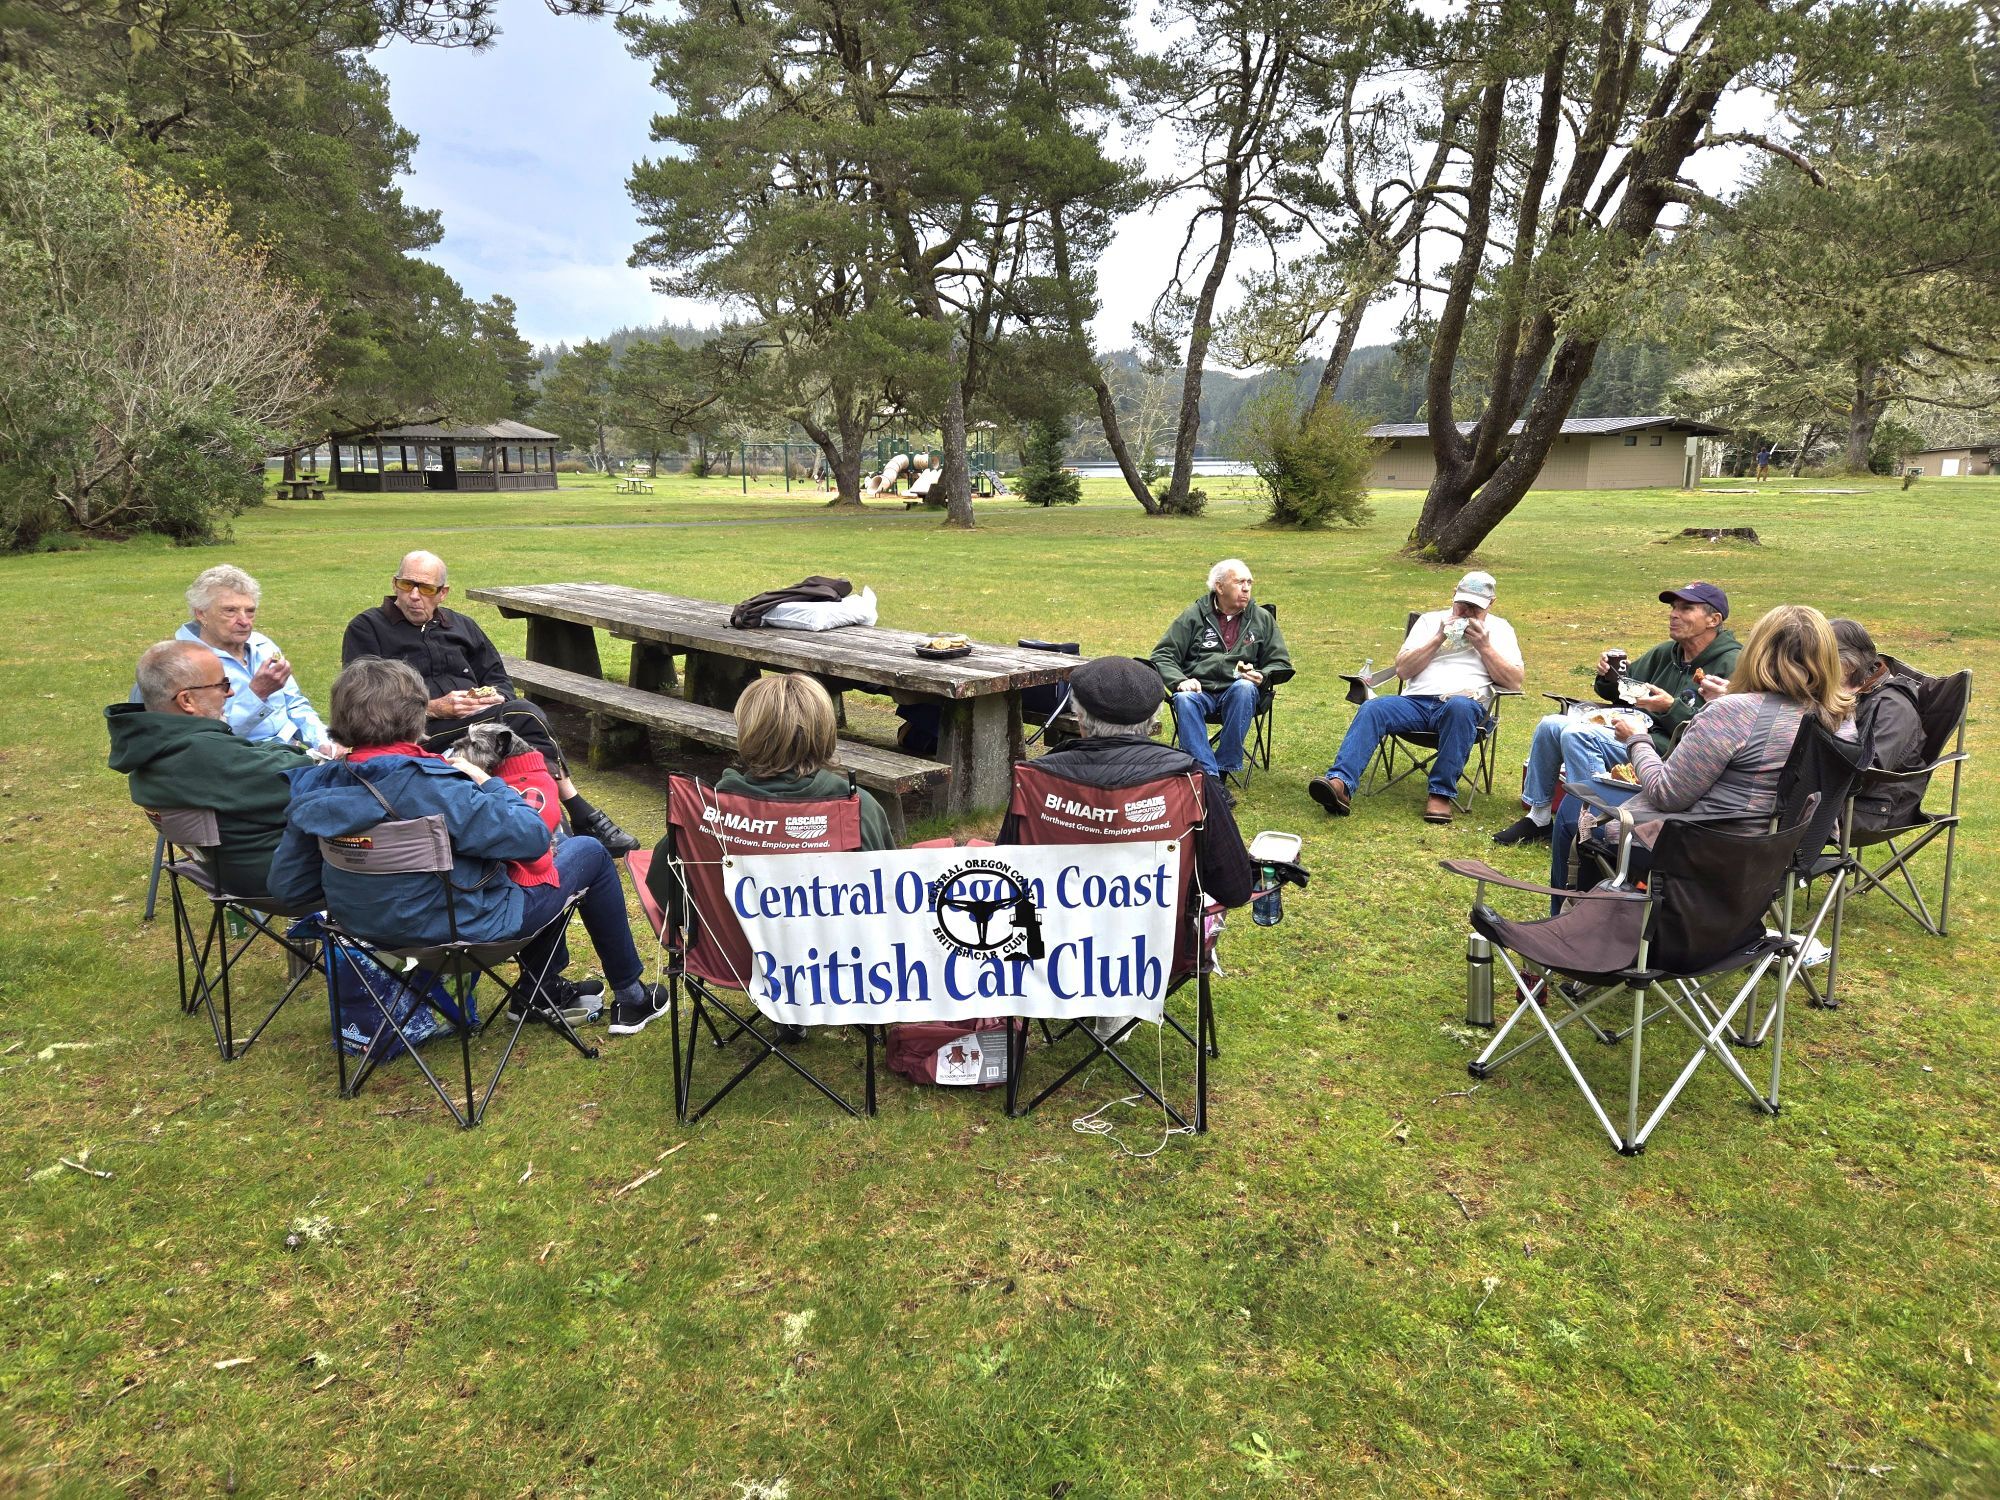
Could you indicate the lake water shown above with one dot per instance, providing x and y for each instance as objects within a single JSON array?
[{"x": 1207, "y": 468}]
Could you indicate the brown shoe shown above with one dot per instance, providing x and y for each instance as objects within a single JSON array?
[
  {"x": 1331, "y": 793},
  {"x": 1437, "y": 809}
]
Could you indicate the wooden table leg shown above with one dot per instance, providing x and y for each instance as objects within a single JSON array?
[
  {"x": 980, "y": 739},
  {"x": 573, "y": 647},
  {"x": 718, "y": 681}
]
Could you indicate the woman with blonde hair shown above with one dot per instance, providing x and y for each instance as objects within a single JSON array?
[
  {"x": 785, "y": 745},
  {"x": 1726, "y": 766}
]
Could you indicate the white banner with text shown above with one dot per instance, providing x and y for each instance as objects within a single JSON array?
[{"x": 952, "y": 934}]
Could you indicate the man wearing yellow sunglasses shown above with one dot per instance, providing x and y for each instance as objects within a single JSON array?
[{"x": 464, "y": 676}]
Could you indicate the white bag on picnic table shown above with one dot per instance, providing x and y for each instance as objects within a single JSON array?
[{"x": 823, "y": 614}]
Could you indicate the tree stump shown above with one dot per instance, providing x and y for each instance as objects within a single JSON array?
[{"x": 1723, "y": 534}]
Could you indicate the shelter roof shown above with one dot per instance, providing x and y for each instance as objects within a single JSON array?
[
  {"x": 431, "y": 432},
  {"x": 1572, "y": 427}
]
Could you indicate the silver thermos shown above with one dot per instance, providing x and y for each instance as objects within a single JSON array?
[{"x": 1478, "y": 981}]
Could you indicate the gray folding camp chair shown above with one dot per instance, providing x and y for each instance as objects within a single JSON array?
[
  {"x": 188, "y": 840},
  {"x": 1401, "y": 756},
  {"x": 1671, "y": 950},
  {"x": 422, "y": 846}
]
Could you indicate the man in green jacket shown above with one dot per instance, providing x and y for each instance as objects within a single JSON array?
[
  {"x": 1668, "y": 684},
  {"x": 176, "y": 751},
  {"x": 1216, "y": 660}
]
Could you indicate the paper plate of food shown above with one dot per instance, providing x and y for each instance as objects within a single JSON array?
[
  {"x": 1619, "y": 776},
  {"x": 945, "y": 647},
  {"x": 1606, "y": 716}
]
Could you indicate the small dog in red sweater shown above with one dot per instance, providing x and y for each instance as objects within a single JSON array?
[{"x": 499, "y": 751}]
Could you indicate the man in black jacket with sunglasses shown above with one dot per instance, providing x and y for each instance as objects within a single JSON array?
[{"x": 466, "y": 680}]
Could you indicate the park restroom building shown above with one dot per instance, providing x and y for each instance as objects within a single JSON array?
[{"x": 1593, "y": 453}]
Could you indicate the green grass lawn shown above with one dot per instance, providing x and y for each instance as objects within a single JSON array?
[{"x": 1368, "y": 1279}]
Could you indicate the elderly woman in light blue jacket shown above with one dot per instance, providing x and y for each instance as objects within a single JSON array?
[{"x": 265, "y": 699}]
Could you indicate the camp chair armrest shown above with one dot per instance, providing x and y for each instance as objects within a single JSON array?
[
  {"x": 1874, "y": 777},
  {"x": 1478, "y": 869},
  {"x": 1593, "y": 800},
  {"x": 1501, "y": 692},
  {"x": 1568, "y": 700}
]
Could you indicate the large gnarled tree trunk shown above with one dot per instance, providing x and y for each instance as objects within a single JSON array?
[{"x": 1484, "y": 472}]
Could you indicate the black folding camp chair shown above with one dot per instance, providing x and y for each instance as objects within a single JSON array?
[
  {"x": 1401, "y": 756},
  {"x": 1047, "y": 706},
  {"x": 402, "y": 847},
  {"x": 188, "y": 841},
  {"x": 1257, "y": 745},
  {"x": 1667, "y": 948},
  {"x": 1942, "y": 704},
  {"x": 1814, "y": 785},
  {"x": 1185, "y": 807}
]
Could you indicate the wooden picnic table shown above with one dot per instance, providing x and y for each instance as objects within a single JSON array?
[{"x": 979, "y": 694}]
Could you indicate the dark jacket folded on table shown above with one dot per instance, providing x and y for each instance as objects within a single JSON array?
[{"x": 814, "y": 590}]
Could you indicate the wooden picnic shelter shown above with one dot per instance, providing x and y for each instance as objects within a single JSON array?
[{"x": 424, "y": 456}]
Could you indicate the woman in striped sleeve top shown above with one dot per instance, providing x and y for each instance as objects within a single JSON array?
[{"x": 1727, "y": 762}]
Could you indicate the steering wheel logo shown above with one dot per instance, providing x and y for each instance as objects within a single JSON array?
[{"x": 986, "y": 909}]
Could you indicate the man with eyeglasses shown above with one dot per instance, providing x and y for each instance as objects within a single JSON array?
[
  {"x": 465, "y": 678},
  {"x": 176, "y": 751}
]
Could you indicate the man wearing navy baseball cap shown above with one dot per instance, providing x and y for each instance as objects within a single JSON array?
[{"x": 1668, "y": 684}]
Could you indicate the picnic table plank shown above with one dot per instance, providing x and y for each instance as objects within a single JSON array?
[
  {"x": 875, "y": 656},
  {"x": 980, "y": 729}
]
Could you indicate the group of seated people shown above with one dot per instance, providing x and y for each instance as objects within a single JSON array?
[{"x": 221, "y": 723}]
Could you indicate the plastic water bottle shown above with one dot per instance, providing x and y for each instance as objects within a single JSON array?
[
  {"x": 1267, "y": 901},
  {"x": 1367, "y": 677},
  {"x": 1478, "y": 981}
]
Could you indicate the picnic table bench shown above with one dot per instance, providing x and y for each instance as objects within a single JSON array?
[
  {"x": 979, "y": 695},
  {"x": 890, "y": 774}
]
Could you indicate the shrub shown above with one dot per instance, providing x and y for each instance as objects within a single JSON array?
[
  {"x": 1043, "y": 479},
  {"x": 198, "y": 476},
  {"x": 149, "y": 355},
  {"x": 28, "y": 508},
  {"x": 1314, "y": 469},
  {"x": 1193, "y": 503}
]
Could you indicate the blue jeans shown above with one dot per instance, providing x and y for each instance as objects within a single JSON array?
[
  {"x": 1580, "y": 749},
  {"x": 1562, "y": 838},
  {"x": 1455, "y": 722},
  {"x": 1235, "y": 706},
  {"x": 582, "y": 862}
]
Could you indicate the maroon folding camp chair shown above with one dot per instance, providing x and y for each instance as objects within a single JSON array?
[
  {"x": 706, "y": 953},
  {"x": 1171, "y": 808}
]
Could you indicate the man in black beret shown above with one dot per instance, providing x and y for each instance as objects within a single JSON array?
[{"x": 1117, "y": 703}]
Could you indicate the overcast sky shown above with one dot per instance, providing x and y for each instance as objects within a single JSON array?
[{"x": 525, "y": 148}]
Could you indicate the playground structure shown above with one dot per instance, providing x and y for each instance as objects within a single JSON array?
[{"x": 901, "y": 463}]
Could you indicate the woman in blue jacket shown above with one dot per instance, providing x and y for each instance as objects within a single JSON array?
[{"x": 378, "y": 708}]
